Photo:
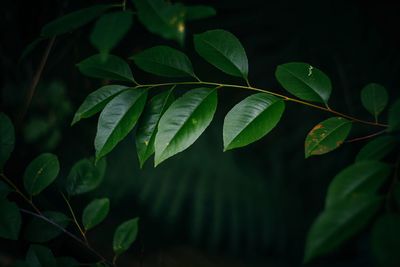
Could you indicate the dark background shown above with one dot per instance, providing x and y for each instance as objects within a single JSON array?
[{"x": 248, "y": 207}]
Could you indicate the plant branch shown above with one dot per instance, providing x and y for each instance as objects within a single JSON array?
[
  {"x": 366, "y": 137},
  {"x": 83, "y": 233}
]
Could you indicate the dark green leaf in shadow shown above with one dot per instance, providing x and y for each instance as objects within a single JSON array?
[{"x": 10, "y": 220}]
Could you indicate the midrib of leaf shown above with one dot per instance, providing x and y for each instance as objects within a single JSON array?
[
  {"x": 37, "y": 176},
  {"x": 155, "y": 10},
  {"x": 327, "y": 135}
]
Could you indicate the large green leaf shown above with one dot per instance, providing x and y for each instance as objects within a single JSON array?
[
  {"x": 117, "y": 119},
  {"x": 4, "y": 190},
  {"x": 394, "y": 116},
  {"x": 184, "y": 121},
  {"x": 199, "y": 12},
  {"x": 147, "y": 125},
  {"x": 111, "y": 67},
  {"x": 338, "y": 223},
  {"x": 7, "y": 139},
  {"x": 96, "y": 101},
  {"x": 251, "y": 119},
  {"x": 10, "y": 220},
  {"x": 73, "y": 20},
  {"x": 374, "y": 98},
  {"x": 40, "y": 173},
  {"x": 327, "y": 136},
  {"x": 125, "y": 235},
  {"x": 304, "y": 81},
  {"x": 164, "y": 61},
  {"x": 377, "y": 149},
  {"x": 40, "y": 256},
  {"x": 223, "y": 50},
  {"x": 364, "y": 177},
  {"x": 95, "y": 212},
  {"x": 85, "y": 176},
  {"x": 385, "y": 239},
  {"x": 109, "y": 30},
  {"x": 38, "y": 230}
]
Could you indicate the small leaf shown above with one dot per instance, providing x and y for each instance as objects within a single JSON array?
[
  {"x": 10, "y": 220},
  {"x": 85, "y": 176},
  {"x": 251, "y": 119},
  {"x": 147, "y": 125},
  {"x": 4, "y": 190},
  {"x": 338, "y": 223},
  {"x": 374, "y": 98},
  {"x": 377, "y": 149},
  {"x": 111, "y": 67},
  {"x": 109, "y": 30},
  {"x": 327, "y": 136},
  {"x": 199, "y": 12},
  {"x": 394, "y": 116},
  {"x": 117, "y": 119},
  {"x": 40, "y": 173},
  {"x": 40, "y": 256},
  {"x": 7, "y": 139},
  {"x": 125, "y": 235},
  {"x": 164, "y": 61},
  {"x": 184, "y": 121},
  {"x": 96, "y": 101},
  {"x": 304, "y": 81},
  {"x": 364, "y": 177},
  {"x": 73, "y": 20},
  {"x": 223, "y": 50},
  {"x": 67, "y": 262},
  {"x": 38, "y": 230},
  {"x": 385, "y": 239},
  {"x": 95, "y": 212}
]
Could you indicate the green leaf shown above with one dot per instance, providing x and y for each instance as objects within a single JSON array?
[
  {"x": 385, "y": 239},
  {"x": 394, "y": 116},
  {"x": 7, "y": 139},
  {"x": 85, "y": 176},
  {"x": 365, "y": 177},
  {"x": 4, "y": 190},
  {"x": 304, "y": 81},
  {"x": 184, "y": 121},
  {"x": 251, "y": 119},
  {"x": 224, "y": 51},
  {"x": 374, "y": 98},
  {"x": 147, "y": 125},
  {"x": 95, "y": 212},
  {"x": 125, "y": 235},
  {"x": 338, "y": 223},
  {"x": 40, "y": 173},
  {"x": 117, "y": 119},
  {"x": 109, "y": 30},
  {"x": 73, "y": 20},
  {"x": 111, "y": 67},
  {"x": 164, "y": 61},
  {"x": 327, "y": 136},
  {"x": 96, "y": 101},
  {"x": 10, "y": 220},
  {"x": 38, "y": 230},
  {"x": 40, "y": 256},
  {"x": 199, "y": 12},
  {"x": 377, "y": 149},
  {"x": 67, "y": 262}
]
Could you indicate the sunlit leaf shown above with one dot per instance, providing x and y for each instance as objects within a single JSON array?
[
  {"x": 95, "y": 212},
  {"x": 7, "y": 139},
  {"x": 377, "y": 149},
  {"x": 394, "y": 116},
  {"x": 40, "y": 256},
  {"x": 10, "y": 220},
  {"x": 199, "y": 12},
  {"x": 38, "y": 230},
  {"x": 125, "y": 235},
  {"x": 374, "y": 98}
]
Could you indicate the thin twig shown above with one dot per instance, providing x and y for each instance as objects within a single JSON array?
[
  {"x": 366, "y": 137},
  {"x": 83, "y": 233}
]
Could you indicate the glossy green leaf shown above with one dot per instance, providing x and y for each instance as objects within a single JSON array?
[
  {"x": 125, "y": 235},
  {"x": 38, "y": 230},
  {"x": 338, "y": 223},
  {"x": 117, "y": 119},
  {"x": 40, "y": 173},
  {"x": 96, "y": 101},
  {"x": 223, "y": 50},
  {"x": 85, "y": 176},
  {"x": 4, "y": 190},
  {"x": 251, "y": 119},
  {"x": 164, "y": 61},
  {"x": 394, "y": 116},
  {"x": 184, "y": 121},
  {"x": 95, "y": 212},
  {"x": 377, "y": 149},
  {"x": 67, "y": 262},
  {"x": 374, "y": 98},
  {"x": 304, "y": 81},
  {"x": 73, "y": 20},
  {"x": 111, "y": 67},
  {"x": 365, "y": 177},
  {"x": 40, "y": 256},
  {"x": 10, "y": 220},
  {"x": 7, "y": 139},
  {"x": 199, "y": 12},
  {"x": 147, "y": 125},
  {"x": 327, "y": 136},
  {"x": 109, "y": 30},
  {"x": 385, "y": 240}
]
